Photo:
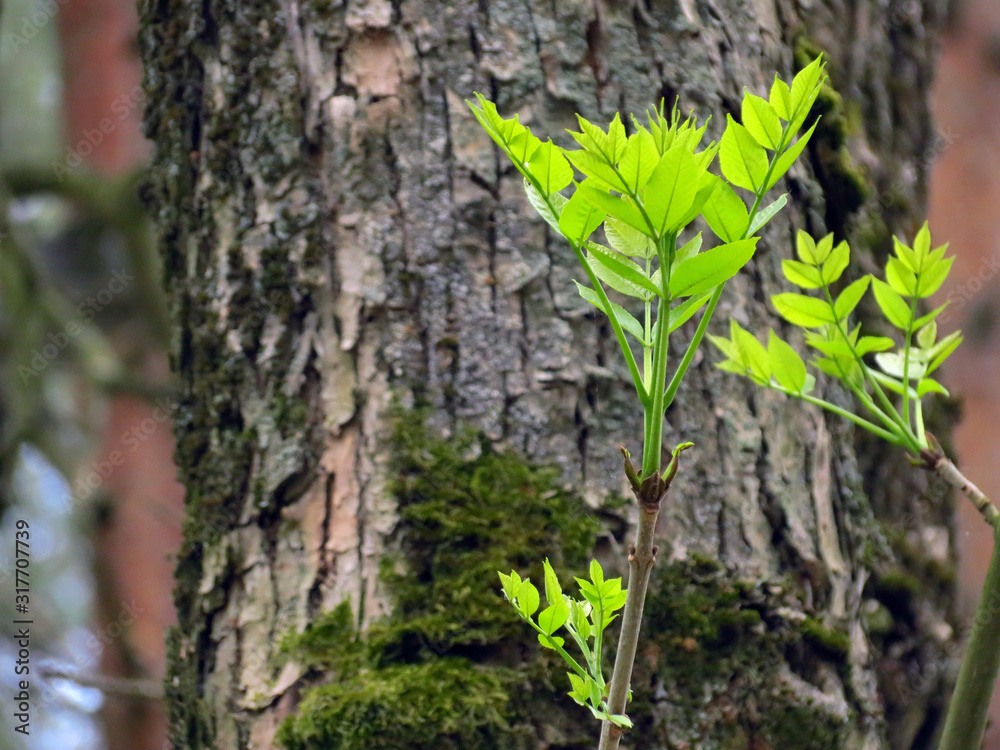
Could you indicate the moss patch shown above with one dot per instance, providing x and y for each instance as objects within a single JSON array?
[
  {"x": 452, "y": 667},
  {"x": 709, "y": 664}
]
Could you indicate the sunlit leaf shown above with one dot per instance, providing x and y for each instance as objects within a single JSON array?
[
  {"x": 639, "y": 160},
  {"x": 671, "y": 189},
  {"x": 710, "y": 268},
  {"x": 550, "y": 168},
  {"x": 787, "y": 366},
  {"x": 848, "y": 299},
  {"x": 628, "y": 240},
  {"x": 766, "y": 214},
  {"x": 789, "y": 157},
  {"x": 726, "y": 213},
  {"x": 893, "y": 306},
  {"x": 802, "y": 274},
  {"x": 542, "y": 207},
  {"x": 761, "y": 120},
  {"x": 527, "y": 598},
  {"x": 554, "y": 617},
  {"x": 579, "y": 219},
  {"x": 835, "y": 264},
  {"x": 625, "y": 318},
  {"x": 623, "y": 268},
  {"x": 800, "y": 310},
  {"x": 743, "y": 161}
]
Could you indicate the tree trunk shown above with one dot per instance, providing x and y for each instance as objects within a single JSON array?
[{"x": 356, "y": 281}]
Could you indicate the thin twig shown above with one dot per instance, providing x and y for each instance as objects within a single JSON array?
[
  {"x": 123, "y": 686},
  {"x": 650, "y": 492},
  {"x": 969, "y": 706},
  {"x": 933, "y": 458}
]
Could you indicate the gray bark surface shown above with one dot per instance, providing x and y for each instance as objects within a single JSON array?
[{"x": 338, "y": 233}]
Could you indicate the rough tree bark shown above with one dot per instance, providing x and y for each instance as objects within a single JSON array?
[{"x": 337, "y": 238}]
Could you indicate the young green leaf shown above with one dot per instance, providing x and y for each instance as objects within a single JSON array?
[
  {"x": 893, "y": 306},
  {"x": 801, "y": 310},
  {"x": 802, "y": 274},
  {"x": 628, "y": 240},
  {"x": 761, "y": 121},
  {"x": 834, "y": 265},
  {"x": 579, "y": 219},
  {"x": 925, "y": 319},
  {"x": 906, "y": 255},
  {"x": 805, "y": 247},
  {"x": 625, "y": 318},
  {"x": 522, "y": 146},
  {"x": 554, "y": 617},
  {"x": 789, "y": 157},
  {"x": 595, "y": 141},
  {"x": 690, "y": 249},
  {"x": 927, "y": 335},
  {"x": 508, "y": 585},
  {"x": 551, "y": 641},
  {"x": 806, "y": 86},
  {"x": 933, "y": 277},
  {"x": 869, "y": 344},
  {"x": 527, "y": 598},
  {"x": 639, "y": 160},
  {"x": 787, "y": 366},
  {"x": 893, "y": 364},
  {"x": 550, "y": 168},
  {"x": 622, "y": 268},
  {"x": 542, "y": 207},
  {"x": 596, "y": 574},
  {"x": 726, "y": 213},
  {"x": 680, "y": 314},
  {"x": 900, "y": 278},
  {"x": 766, "y": 214},
  {"x": 580, "y": 691},
  {"x": 709, "y": 269},
  {"x": 942, "y": 350},
  {"x": 929, "y": 385},
  {"x": 743, "y": 161},
  {"x": 848, "y": 299},
  {"x": 671, "y": 189},
  {"x": 590, "y": 592},
  {"x": 598, "y": 171},
  {"x": 922, "y": 244},
  {"x": 704, "y": 189},
  {"x": 610, "y": 205},
  {"x": 553, "y": 591},
  {"x": 753, "y": 353},
  {"x": 781, "y": 98}
]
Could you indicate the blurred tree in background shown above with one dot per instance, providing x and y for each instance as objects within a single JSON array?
[{"x": 85, "y": 445}]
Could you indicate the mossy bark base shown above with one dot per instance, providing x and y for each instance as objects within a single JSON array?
[{"x": 336, "y": 232}]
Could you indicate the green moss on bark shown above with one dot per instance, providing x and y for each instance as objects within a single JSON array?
[{"x": 452, "y": 667}]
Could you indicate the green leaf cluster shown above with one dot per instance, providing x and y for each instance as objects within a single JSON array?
[
  {"x": 891, "y": 389},
  {"x": 585, "y": 620},
  {"x": 633, "y": 198}
]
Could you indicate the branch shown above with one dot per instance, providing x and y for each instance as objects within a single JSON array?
[
  {"x": 650, "y": 493},
  {"x": 122, "y": 686},
  {"x": 970, "y": 703},
  {"x": 933, "y": 459}
]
